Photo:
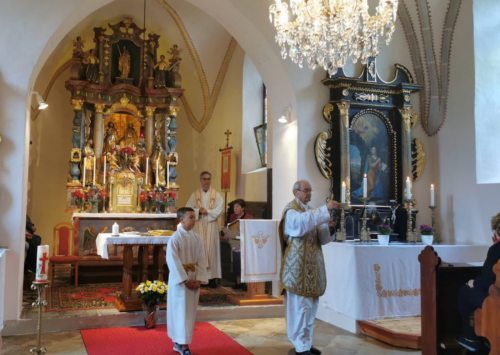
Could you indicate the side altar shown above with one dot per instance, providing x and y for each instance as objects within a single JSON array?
[{"x": 125, "y": 96}]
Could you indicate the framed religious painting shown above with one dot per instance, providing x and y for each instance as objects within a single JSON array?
[
  {"x": 261, "y": 139},
  {"x": 368, "y": 149}
]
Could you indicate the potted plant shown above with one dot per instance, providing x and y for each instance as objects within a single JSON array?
[
  {"x": 384, "y": 234},
  {"x": 427, "y": 234},
  {"x": 151, "y": 293}
]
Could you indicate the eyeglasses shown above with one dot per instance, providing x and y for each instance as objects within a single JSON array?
[{"x": 307, "y": 191}]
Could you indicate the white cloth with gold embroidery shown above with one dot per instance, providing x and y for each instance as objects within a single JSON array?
[
  {"x": 260, "y": 250},
  {"x": 371, "y": 281}
]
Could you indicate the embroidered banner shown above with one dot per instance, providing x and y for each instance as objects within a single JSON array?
[{"x": 225, "y": 182}]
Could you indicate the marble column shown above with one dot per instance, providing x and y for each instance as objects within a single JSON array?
[
  {"x": 345, "y": 160},
  {"x": 98, "y": 129},
  {"x": 77, "y": 139},
  {"x": 149, "y": 129},
  {"x": 406, "y": 113}
]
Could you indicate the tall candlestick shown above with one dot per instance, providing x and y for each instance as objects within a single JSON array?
[
  {"x": 104, "y": 176},
  {"x": 157, "y": 165},
  {"x": 432, "y": 204},
  {"x": 42, "y": 262},
  {"x": 365, "y": 186},
  {"x": 147, "y": 171},
  {"x": 93, "y": 173},
  {"x": 342, "y": 192},
  {"x": 408, "y": 188},
  {"x": 84, "y": 170}
]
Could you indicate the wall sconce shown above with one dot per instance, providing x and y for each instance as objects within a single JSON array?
[
  {"x": 287, "y": 116},
  {"x": 42, "y": 105}
]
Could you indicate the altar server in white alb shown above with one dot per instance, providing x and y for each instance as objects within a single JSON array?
[
  {"x": 302, "y": 231},
  {"x": 188, "y": 270},
  {"x": 208, "y": 204}
]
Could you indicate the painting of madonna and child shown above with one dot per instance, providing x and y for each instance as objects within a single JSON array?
[{"x": 370, "y": 154}]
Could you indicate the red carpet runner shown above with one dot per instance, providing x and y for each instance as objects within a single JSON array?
[{"x": 207, "y": 340}]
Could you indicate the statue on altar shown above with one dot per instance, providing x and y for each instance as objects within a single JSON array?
[
  {"x": 88, "y": 163},
  {"x": 110, "y": 138},
  {"x": 124, "y": 63},
  {"x": 159, "y": 163},
  {"x": 91, "y": 63}
]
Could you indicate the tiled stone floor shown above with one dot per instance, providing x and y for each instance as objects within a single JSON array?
[{"x": 260, "y": 336}]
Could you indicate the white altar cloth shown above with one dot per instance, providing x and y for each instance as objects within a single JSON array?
[
  {"x": 123, "y": 215},
  {"x": 370, "y": 281},
  {"x": 105, "y": 239}
]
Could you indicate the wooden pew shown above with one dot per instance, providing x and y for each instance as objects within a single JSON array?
[
  {"x": 439, "y": 285},
  {"x": 487, "y": 318}
]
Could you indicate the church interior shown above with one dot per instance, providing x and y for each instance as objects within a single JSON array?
[{"x": 143, "y": 96}]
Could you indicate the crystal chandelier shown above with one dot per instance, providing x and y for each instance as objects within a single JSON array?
[{"x": 328, "y": 32}]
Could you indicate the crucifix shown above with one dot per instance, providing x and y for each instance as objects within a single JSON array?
[
  {"x": 227, "y": 134},
  {"x": 43, "y": 259}
]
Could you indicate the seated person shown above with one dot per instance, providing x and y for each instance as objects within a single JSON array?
[
  {"x": 239, "y": 206},
  {"x": 473, "y": 293},
  {"x": 32, "y": 242}
]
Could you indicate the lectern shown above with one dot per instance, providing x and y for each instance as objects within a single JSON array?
[{"x": 259, "y": 241}]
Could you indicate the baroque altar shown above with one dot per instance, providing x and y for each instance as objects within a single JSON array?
[{"x": 125, "y": 97}]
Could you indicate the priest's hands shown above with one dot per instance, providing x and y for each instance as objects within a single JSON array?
[
  {"x": 332, "y": 205},
  {"x": 192, "y": 284},
  {"x": 203, "y": 211}
]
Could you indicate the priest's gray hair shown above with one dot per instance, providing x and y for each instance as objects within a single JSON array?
[{"x": 298, "y": 184}]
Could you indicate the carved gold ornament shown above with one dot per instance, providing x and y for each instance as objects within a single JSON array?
[
  {"x": 327, "y": 112},
  {"x": 322, "y": 153},
  {"x": 417, "y": 158}
]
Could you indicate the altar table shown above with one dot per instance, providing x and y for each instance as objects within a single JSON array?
[
  {"x": 371, "y": 281},
  {"x": 128, "y": 301}
]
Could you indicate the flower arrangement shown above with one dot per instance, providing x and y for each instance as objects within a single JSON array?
[
  {"x": 384, "y": 229},
  {"x": 78, "y": 196},
  {"x": 152, "y": 292},
  {"x": 425, "y": 229}
]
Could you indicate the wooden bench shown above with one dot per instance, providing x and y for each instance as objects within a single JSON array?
[
  {"x": 487, "y": 318},
  {"x": 439, "y": 285}
]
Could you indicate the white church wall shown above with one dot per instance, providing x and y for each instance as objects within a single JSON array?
[
  {"x": 466, "y": 206},
  {"x": 487, "y": 99}
]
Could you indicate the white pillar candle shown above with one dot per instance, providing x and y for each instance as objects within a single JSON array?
[
  {"x": 104, "y": 176},
  {"x": 432, "y": 196},
  {"x": 147, "y": 170},
  {"x": 342, "y": 192},
  {"x": 365, "y": 186},
  {"x": 157, "y": 165},
  {"x": 93, "y": 173},
  {"x": 42, "y": 262},
  {"x": 84, "y": 169},
  {"x": 408, "y": 188}
]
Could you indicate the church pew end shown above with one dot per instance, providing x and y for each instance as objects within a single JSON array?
[{"x": 487, "y": 318}]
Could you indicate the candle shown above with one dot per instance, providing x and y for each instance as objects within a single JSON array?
[
  {"x": 432, "y": 196},
  {"x": 84, "y": 169},
  {"x": 104, "y": 176},
  {"x": 147, "y": 170},
  {"x": 365, "y": 186},
  {"x": 157, "y": 165},
  {"x": 168, "y": 174},
  {"x": 408, "y": 188},
  {"x": 342, "y": 192},
  {"x": 93, "y": 173},
  {"x": 42, "y": 262}
]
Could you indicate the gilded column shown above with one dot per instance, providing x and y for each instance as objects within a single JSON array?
[
  {"x": 406, "y": 142},
  {"x": 76, "y": 140},
  {"x": 98, "y": 129},
  {"x": 149, "y": 132},
  {"x": 345, "y": 167}
]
